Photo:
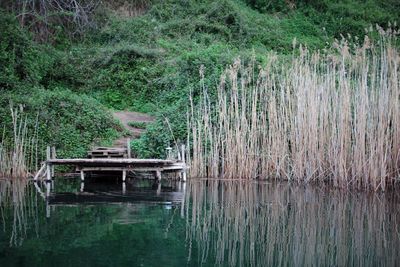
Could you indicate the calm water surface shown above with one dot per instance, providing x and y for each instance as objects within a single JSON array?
[{"x": 200, "y": 223}]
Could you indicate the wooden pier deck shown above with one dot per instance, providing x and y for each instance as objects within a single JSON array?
[{"x": 123, "y": 164}]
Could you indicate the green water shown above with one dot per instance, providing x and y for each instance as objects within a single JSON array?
[{"x": 200, "y": 223}]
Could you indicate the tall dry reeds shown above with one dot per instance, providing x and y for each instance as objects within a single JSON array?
[
  {"x": 19, "y": 154},
  {"x": 332, "y": 116}
]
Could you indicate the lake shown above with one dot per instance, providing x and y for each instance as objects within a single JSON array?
[{"x": 200, "y": 223}]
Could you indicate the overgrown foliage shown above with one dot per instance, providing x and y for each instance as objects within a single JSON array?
[
  {"x": 65, "y": 120},
  {"x": 21, "y": 60},
  {"x": 145, "y": 55}
]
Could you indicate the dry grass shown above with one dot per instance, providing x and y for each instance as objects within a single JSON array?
[
  {"x": 323, "y": 117},
  {"x": 19, "y": 156}
]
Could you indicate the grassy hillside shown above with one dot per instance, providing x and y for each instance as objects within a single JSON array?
[{"x": 150, "y": 62}]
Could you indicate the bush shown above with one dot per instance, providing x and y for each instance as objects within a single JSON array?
[
  {"x": 21, "y": 60},
  {"x": 70, "y": 122}
]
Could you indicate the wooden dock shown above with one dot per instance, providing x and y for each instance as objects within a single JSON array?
[{"x": 114, "y": 160}]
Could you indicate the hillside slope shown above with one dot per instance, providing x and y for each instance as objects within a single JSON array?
[{"x": 147, "y": 57}]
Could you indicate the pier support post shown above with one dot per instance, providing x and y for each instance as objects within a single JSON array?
[
  {"x": 82, "y": 187},
  {"x": 123, "y": 175},
  {"x": 158, "y": 189},
  {"x": 123, "y": 188},
  {"x": 158, "y": 175},
  {"x": 48, "y": 172},
  {"x": 48, "y": 165},
  {"x": 183, "y": 174},
  {"x": 183, "y": 200},
  {"x": 48, "y": 212},
  {"x": 53, "y": 156},
  {"x": 82, "y": 176}
]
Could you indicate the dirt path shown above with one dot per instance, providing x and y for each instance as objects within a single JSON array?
[{"x": 125, "y": 117}]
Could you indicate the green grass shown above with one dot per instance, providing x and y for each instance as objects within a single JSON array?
[{"x": 138, "y": 124}]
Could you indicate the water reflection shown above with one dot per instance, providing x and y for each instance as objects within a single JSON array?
[
  {"x": 259, "y": 224},
  {"x": 18, "y": 206},
  {"x": 200, "y": 223}
]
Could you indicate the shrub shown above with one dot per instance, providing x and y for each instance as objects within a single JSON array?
[
  {"x": 68, "y": 121},
  {"x": 21, "y": 60}
]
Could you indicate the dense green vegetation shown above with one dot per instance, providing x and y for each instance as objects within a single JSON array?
[
  {"x": 65, "y": 120},
  {"x": 138, "y": 124},
  {"x": 150, "y": 62}
]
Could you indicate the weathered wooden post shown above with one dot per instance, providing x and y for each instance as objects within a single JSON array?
[
  {"x": 38, "y": 174},
  {"x": 82, "y": 176},
  {"x": 158, "y": 175},
  {"x": 158, "y": 189},
  {"x": 123, "y": 175},
  {"x": 48, "y": 188},
  {"x": 53, "y": 156},
  {"x": 183, "y": 200},
  {"x": 169, "y": 149},
  {"x": 48, "y": 164},
  {"x": 184, "y": 163},
  {"x": 48, "y": 211},
  {"x": 82, "y": 187},
  {"x": 179, "y": 153},
  {"x": 123, "y": 188},
  {"x": 128, "y": 148}
]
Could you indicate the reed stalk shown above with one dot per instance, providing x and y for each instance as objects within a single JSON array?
[
  {"x": 19, "y": 154},
  {"x": 321, "y": 117}
]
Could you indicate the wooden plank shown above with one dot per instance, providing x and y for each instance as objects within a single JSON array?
[
  {"x": 39, "y": 172},
  {"x": 108, "y": 161},
  {"x": 109, "y": 148},
  {"x": 174, "y": 168},
  {"x": 107, "y": 151},
  {"x": 139, "y": 169}
]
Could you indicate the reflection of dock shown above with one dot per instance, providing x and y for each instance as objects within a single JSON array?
[
  {"x": 118, "y": 162},
  {"x": 111, "y": 193},
  {"x": 115, "y": 197}
]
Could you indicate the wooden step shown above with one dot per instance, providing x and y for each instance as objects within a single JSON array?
[{"x": 108, "y": 152}]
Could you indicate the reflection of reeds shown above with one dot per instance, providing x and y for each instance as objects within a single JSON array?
[
  {"x": 320, "y": 117},
  {"x": 17, "y": 202},
  {"x": 19, "y": 154},
  {"x": 237, "y": 223}
]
